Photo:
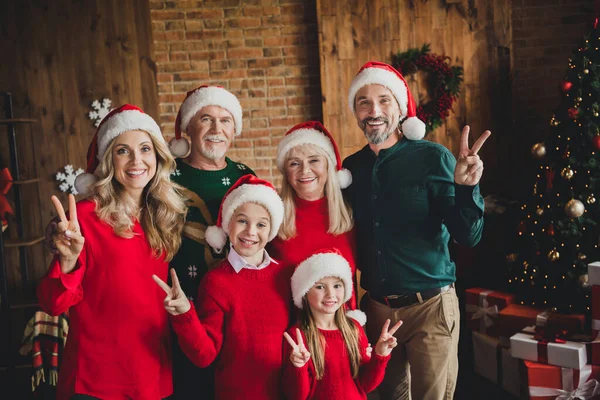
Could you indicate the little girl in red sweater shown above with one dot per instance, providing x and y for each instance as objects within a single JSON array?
[
  {"x": 244, "y": 305},
  {"x": 337, "y": 361}
]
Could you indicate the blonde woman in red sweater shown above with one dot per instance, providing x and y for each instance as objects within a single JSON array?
[
  {"x": 114, "y": 241},
  {"x": 316, "y": 215},
  {"x": 336, "y": 362}
]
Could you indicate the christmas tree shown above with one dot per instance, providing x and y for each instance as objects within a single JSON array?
[{"x": 558, "y": 233}]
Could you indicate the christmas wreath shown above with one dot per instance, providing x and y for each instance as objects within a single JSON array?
[{"x": 444, "y": 78}]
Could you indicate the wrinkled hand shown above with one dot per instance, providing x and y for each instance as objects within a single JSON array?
[
  {"x": 175, "y": 302},
  {"x": 67, "y": 238},
  {"x": 386, "y": 342},
  {"x": 469, "y": 166},
  {"x": 299, "y": 355}
]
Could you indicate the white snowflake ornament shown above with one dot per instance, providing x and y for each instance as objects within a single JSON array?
[
  {"x": 100, "y": 110},
  {"x": 67, "y": 179}
]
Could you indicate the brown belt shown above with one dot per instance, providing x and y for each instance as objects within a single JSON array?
[{"x": 404, "y": 300}]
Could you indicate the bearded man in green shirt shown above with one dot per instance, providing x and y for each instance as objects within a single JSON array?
[
  {"x": 211, "y": 116},
  {"x": 409, "y": 197}
]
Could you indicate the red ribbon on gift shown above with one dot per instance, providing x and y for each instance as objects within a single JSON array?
[{"x": 543, "y": 335}]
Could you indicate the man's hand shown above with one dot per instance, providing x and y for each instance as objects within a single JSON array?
[{"x": 469, "y": 166}]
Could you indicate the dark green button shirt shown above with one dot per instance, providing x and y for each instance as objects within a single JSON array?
[{"x": 406, "y": 206}]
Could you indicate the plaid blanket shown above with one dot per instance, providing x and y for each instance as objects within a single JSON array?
[{"x": 44, "y": 339}]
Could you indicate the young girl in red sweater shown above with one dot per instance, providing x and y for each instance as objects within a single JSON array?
[
  {"x": 337, "y": 361},
  {"x": 243, "y": 305}
]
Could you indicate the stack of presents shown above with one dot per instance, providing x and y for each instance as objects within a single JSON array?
[{"x": 532, "y": 353}]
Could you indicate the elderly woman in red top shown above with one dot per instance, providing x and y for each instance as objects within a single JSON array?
[
  {"x": 316, "y": 214},
  {"x": 114, "y": 241}
]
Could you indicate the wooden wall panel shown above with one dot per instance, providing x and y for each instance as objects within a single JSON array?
[
  {"x": 475, "y": 34},
  {"x": 58, "y": 56}
]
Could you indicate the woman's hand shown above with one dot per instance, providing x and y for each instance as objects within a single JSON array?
[
  {"x": 386, "y": 342},
  {"x": 175, "y": 302},
  {"x": 469, "y": 167},
  {"x": 67, "y": 239},
  {"x": 299, "y": 355}
]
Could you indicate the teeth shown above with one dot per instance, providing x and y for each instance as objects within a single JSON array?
[
  {"x": 307, "y": 179},
  {"x": 135, "y": 172},
  {"x": 247, "y": 241}
]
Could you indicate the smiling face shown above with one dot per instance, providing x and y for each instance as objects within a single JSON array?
[
  {"x": 306, "y": 171},
  {"x": 326, "y": 296},
  {"x": 249, "y": 230},
  {"x": 377, "y": 113},
  {"x": 211, "y": 132},
  {"x": 134, "y": 162}
]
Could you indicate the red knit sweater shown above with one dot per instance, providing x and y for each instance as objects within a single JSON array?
[
  {"x": 118, "y": 345},
  {"x": 239, "y": 321},
  {"x": 312, "y": 223},
  {"x": 337, "y": 382}
]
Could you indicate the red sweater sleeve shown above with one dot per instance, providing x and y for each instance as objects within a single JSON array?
[
  {"x": 57, "y": 292},
  {"x": 372, "y": 370},
  {"x": 296, "y": 381},
  {"x": 200, "y": 331}
]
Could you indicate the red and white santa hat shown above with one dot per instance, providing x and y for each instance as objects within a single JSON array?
[
  {"x": 197, "y": 99},
  {"x": 120, "y": 120},
  {"x": 313, "y": 132},
  {"x": 247, "y": 189},
  {"x": 375, "y": 72},
  {"x": 324, "y": 263}
]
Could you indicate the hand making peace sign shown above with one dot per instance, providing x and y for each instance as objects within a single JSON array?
[
  {"x": 386, "y": 342},
  {"x": 299, "y": 355},
  {"x": 175, "y": 303},
  {"x": 469, "y": 166},
  {"x": 67, "y": 239}
]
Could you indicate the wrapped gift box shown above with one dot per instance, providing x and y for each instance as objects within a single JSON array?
[
  {"x": 548, "y": 382},
  {"x": 594, "y": 273},
  {"x": 514, "y": 318},
  {"x": 494, "y": 362},
  {"x": 568, "y": 354},
  {"x": 483, "y": 306}
]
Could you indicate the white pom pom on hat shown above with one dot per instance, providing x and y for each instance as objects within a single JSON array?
[
  {"x": 120, "y": 120},
  {"x": 194, "y": 101},
  {"x": 313, "y": 132},
  {"x": 375, "y": 72},
  {"x": 248, "y": 188}
]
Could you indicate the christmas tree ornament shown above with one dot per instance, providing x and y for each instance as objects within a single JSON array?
[
  {"x": 538, "y": 151},
  {"x": 579, "y": 99},
  {"x": 581, "y": 256},
  {"x": 512, "y": 257},
  {"x": 567, "y": 173},
  {"x": 553, "y": 255},
  {"x": 573, "y": 112},
  {"x": 596, "y": 113},
  {"x": 586, "y": 71},
  {"x": 565, "y": 86},
  {"x": 583, "y": 281},
  {"x": 574, "y": 208},
  {"x": 596, "y": 142},
  {"x": 539, "y": 212},
  {"x": 551, "y": 230},
  {"x": 591, "y": 199}
]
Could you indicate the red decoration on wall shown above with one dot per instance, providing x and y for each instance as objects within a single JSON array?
[{"x": 5, "y": 185}]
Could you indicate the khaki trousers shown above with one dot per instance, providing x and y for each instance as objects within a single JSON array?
[{"x": 424, "y": 366}]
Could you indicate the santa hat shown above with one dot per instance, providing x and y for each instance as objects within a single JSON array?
[
  {"x": 313, "y": 132},
  {"x": 375, "y": 72},
  {"x": 247, "y": 189},
  {"x": 120, "y": 120},
  {"x": 194, "y": 101},
  {"x": 322, "y": 264}
]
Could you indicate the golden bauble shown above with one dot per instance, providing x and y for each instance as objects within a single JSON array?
[
  {"x": 539, "y": 211},
  {"x": 538, "y": 151},
  {"x": 553, "y": 255},
  {"x": 586, "y": 71},
  {"x": 581, "y": 256},
  {"x": 567, "y": 173},
  {"x": 596, "y": 114},
  {"x": 583, "y": 280},
  {"x": 591, "y": 199},
  {"x": 579, "y": 99},
  {"x": 512, "y": 257},
  {"x": 574, "y": 208}
]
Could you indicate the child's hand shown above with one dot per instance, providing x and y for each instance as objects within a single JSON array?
[
  {"x": 387, "y": 341},
  {"x": 300, "y": 355},
  {"x": 175, "y": 303}
]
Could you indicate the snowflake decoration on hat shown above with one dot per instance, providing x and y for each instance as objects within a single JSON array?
[
  {"x": 67, "y": 179},
  {"x": 100, "y": 110}
]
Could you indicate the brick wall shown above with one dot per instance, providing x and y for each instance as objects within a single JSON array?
[
  {"x": 264, "y": 51},
  {"x": 545, "y": 32}
]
